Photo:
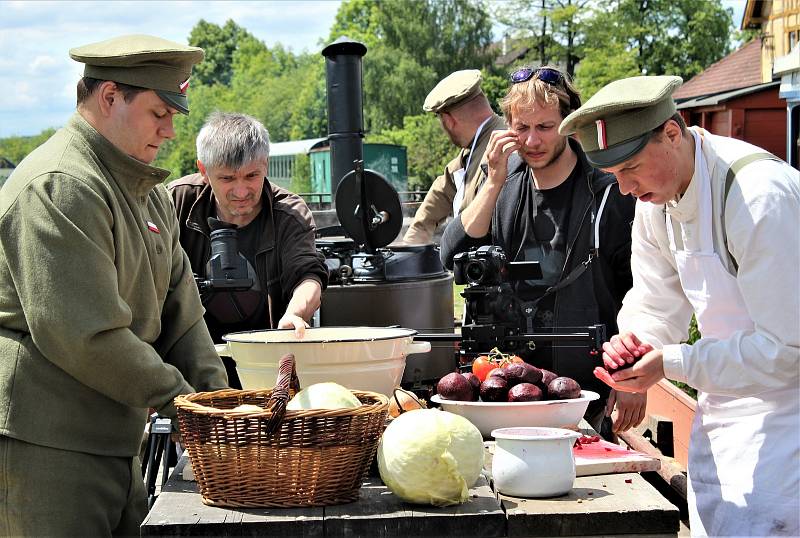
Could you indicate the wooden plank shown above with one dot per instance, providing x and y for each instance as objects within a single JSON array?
[
  {"x": 179, "y": 511},
  {"x": 597, "y": 505},
  {"x": 379, "y": 513}
]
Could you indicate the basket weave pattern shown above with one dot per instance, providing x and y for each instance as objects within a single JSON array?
[{"x": 278, "y": 458}]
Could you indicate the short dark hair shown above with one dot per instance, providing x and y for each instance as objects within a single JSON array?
[
  {"x": 677, "y": 118},
  {"x": 88, "y": 85}
]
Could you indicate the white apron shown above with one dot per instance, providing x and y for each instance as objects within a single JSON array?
[{"x": 742, "y": 455}]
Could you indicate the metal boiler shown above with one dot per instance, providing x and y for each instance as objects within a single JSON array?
[{"x": 372, "y": 282}]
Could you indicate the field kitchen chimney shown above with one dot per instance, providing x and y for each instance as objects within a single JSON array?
[{"x": 345, "y": 106}]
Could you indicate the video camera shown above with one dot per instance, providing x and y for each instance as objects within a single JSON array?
[
  {"x": 495, "y": 315},
  {"x": 227, "y": 269}
]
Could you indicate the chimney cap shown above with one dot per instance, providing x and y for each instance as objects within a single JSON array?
[{"x": 344, "y": 45}]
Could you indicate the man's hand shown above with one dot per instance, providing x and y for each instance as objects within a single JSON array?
[
  {"x": 639, "y": 377},
  {"x": 623, "y": 349},
  {"x": 627, "y": 410},
  {"x": 501, "y": 145},
  {"x": 291, "y": 321}
]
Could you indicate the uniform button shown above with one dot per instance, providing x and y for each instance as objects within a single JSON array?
[{"x": 159, "y": 250}]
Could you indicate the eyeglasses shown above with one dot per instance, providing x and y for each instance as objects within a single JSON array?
[{"x": 545, "y": 74}]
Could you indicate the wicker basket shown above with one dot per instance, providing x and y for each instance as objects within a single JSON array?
[{"x": 278, "y": 458}]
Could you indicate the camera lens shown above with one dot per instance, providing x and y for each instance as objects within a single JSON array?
[{"x": 475, "y": 271}]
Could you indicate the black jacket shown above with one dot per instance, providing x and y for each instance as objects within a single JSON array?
[{"x": 596, "y": 296}]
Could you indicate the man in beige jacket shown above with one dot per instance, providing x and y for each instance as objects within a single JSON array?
[{"x": 468, "y": 120}]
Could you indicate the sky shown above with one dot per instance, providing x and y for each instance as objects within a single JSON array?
[{"x": 38, "y": 78}]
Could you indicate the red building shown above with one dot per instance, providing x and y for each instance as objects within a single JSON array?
[{"x": 729, "y": 99}]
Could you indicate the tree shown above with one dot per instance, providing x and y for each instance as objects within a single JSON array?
[
  {"x": 412, "y": 44},
  {"x": 676, "y": 37},
  {"x": 16, "y": 148},
  {"x": 555, "y": 27},
  {"x": 428, "y": 148},
  {"x": 220, "y": 44}
]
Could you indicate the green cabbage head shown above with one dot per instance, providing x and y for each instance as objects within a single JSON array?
[
  {"x": 429, "y": 456},
  {"x": 326, "y": 395}
]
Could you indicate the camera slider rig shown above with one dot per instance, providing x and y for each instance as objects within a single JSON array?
[{"x": 498, "y": 318}]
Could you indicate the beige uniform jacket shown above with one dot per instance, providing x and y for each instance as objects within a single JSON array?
[
  {"x": 100, "y": 318},
  {"x": 438, "y": 203}
]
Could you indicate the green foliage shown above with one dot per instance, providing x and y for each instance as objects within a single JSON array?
[
  {"x": 15, "y": 148},
  {"x": 220, "y": 44},
  {"x": 604, "y": 65},
  {"x": 428, "y": 148},
  {"x": 676, "y": 37},
  {"x": 555, "y": 29},
  {"x": 301, "y": 174},
  {"x": 412, "y": 44},
  {"x": 495, "y": 87}
]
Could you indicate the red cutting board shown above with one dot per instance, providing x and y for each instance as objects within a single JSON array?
[{"x": 602, "y": 457}]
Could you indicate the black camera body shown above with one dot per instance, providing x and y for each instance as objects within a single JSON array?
[
  {"x": 490, "y": 296},
  {"x": 495, "y": 315},
  {"x": 227, "y": 269}
]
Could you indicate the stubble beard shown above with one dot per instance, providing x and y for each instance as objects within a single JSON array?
[{"x": 557, "y": 152}]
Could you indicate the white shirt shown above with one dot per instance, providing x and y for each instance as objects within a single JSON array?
[{"x": 762, "y": 219}]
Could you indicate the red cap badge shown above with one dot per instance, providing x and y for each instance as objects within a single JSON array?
[{"x": 184, "y": 86}]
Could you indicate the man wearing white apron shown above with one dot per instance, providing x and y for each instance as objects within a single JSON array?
[{"x": 719, "y": 239}]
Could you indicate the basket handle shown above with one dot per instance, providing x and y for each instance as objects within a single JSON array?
[{"x": 287, "y": 379}]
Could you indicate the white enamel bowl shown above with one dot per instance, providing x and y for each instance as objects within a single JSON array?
[
  {"x": 488, "y": 416},
  {"x": 359, "y": 358}
]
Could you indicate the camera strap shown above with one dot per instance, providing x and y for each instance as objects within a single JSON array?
[{"x": 529, "y": 308}]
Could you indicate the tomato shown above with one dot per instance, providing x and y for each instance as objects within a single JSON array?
[
  {"x": 482, "y": 366},
  {"x": 511, "y": 359}
]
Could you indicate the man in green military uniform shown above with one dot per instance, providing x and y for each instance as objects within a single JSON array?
[
  {"x": 468, "y": 120},
  {"x": 100, "y": 318}
]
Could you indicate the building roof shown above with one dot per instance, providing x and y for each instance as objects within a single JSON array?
[
  {"x": 295, "y": 147},
  {"x": 753, "y": 15},
  {"x": 718, "y": 98},
  {"x": 740, "y": 69}
]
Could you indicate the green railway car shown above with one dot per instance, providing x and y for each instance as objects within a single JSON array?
[{"x": 388, "y": 159}]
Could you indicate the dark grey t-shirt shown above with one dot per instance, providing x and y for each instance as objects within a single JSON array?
[{"x": 541, "y": 229}]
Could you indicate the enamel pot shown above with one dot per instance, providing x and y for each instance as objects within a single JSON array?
[{"x": 533, "y": 462}]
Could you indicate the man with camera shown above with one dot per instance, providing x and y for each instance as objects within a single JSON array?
[
  {"x": 99, "y": 317},
  {"x": 468, "y": 119},
  {"x": 275, "y": 232},
  {"x": 543, "y": 202}
]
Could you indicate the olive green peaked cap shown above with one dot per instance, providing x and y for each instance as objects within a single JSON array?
[
  {"x": 144, "y": 61},
  {"x": 616, "y": 123},
  {"x": 453, "y": 89}
]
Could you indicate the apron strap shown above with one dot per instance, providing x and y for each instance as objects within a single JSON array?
[{"x": 734, "y": 169}]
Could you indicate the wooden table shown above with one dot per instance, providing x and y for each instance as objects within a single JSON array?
[{"x": 597, "y": 505}]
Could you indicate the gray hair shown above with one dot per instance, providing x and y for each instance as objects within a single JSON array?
[{"x": 231, "y": 140}]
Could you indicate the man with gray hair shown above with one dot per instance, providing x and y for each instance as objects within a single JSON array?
[{"x": 275, "y": 231}]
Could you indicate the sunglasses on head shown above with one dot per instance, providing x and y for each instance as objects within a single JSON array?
[
  {"x": 545, "y": 74},
  {"x": 548, "y": 75}
]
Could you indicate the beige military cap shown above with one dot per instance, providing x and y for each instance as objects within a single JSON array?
[
  {"x": 616, "y": 123},
  {"x": 452, "y": 90},
  {"x": 144, "y": 61}
]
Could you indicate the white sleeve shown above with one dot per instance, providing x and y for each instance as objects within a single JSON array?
[
  {"x": 763, "y": 224},
  {"x": 655, "y": 309}
]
